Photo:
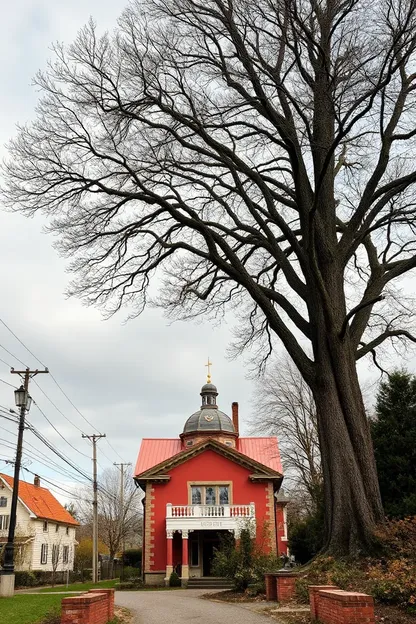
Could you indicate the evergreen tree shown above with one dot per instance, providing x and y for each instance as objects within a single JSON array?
[{"x": 394, "y": 438}]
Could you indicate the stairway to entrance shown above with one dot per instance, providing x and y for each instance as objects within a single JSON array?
[{"x": 209, "y": 582}]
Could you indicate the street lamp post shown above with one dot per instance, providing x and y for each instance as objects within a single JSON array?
[{"x": 23, "y": 401}]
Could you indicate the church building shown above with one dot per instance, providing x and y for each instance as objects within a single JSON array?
[{"x": 204, "y": 483}]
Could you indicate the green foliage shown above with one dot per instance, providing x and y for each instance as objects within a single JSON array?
[
  {"x": 129, "y": 573},
  {"x": 394, "y": 438},
  {"x": 174, "y": 580},
  {"x": 306, "y": 535},
  {"x": 52, "y": 617},
  {"x": 133, "y": 557},
  {"x": 126, "y": 585},
  {"x": 25, "y": 578},
  {"x": 243, "y": 563}
]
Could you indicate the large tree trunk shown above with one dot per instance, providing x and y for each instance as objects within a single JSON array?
[{"x": 351, "y": 492}]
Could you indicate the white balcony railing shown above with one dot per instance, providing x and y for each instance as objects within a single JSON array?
[{"x": 210, "y": 511}]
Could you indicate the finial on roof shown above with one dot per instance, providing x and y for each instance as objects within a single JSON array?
[{"x": 209, "y": 371}]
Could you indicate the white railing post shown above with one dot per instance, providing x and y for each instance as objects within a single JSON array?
[{"x": 168, "y": 510}]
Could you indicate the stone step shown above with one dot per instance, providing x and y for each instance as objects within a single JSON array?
[{"x": 209, "y": 582}]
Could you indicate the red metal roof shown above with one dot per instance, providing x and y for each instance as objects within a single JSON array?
[
  {"x": 263, "y": 450},
  {"x": 156, "y": 450},
  {"x": 41, "y": 502}
]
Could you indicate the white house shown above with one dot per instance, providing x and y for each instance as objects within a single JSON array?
[{"x": 45, "y": 530}]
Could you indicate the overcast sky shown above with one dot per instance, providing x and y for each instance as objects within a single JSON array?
[{"x": 140, "y": 379}]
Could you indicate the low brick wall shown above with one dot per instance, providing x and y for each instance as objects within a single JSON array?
[
  {"x": 314, "y": 597},
  {"x": 271, "y": 586},
  {"x": 110, "y": 600},
  {"x": 341, "y": 607},
  {"x": 285, "y": 586},
  {"x": 97, "y": 607}
]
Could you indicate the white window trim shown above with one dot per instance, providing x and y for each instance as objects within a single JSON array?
[{"x": 44, "y": 554}]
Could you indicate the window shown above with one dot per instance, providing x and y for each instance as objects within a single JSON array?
[
  {"x": 223, "y": 494},
  {"x": 44, "y": 554},
  {"x": 67, "y": 530},
  {"x": 57, "y": 528},
  {"x": 4, "y": 523},
  {"x": 65, "y": 554},
  {"x": 210, "y": 494},
  {"x": 55, "y": 554},
  {"x": 3, "y": 501},
  {"x": 196, "y": 495},
  {"x": 189, "y": 442},
  {"x": 45, "y": 526}
]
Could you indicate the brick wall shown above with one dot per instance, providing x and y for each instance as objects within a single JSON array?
[
  {"x": 314, "y": 598},
  {"x": 286, "y": 586},
  {"x": 149, "y": 536},
  {"x": 340, "y": 607},
  {"x": 97, "y": 607},
  {"x": 271, "y": 587}
]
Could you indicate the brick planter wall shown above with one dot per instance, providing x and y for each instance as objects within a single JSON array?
[
  {"x": 86, "y": 609},
  {"x": 339, "y": 607},
  {"x": 314, "y": 597},
  {"x": 110, "y": 600},
  {"x": 271, "y": 586},
  {"x": 286, "y": 586}
]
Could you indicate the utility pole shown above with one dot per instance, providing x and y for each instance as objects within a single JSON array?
[
  {"x": 121, "y": 465},
  {"x": 24, "y": 401},
  {"x": 93, "y": 438}
]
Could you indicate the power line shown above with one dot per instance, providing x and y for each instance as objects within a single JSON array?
[
  {"x": 22, "y": 343},
  {"x": 58, "y": 432},
  {"x": 7, "y": 364},
  {"x": 13, "y": 356},
  {"x": 8, "y": 384},
  {"x": 113, "y": 449},
  {"x": 54, "y": 379},
  {"x": 57, "y": 408},
  {"x": 73, "y": 405}
]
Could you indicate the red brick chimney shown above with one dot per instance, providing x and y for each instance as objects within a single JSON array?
[
  {"x": 36, "y": 481},
  {"x": 234, "y": 410}
]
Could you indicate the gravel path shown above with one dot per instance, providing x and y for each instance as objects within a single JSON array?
[{"x": 184, "y": 606}]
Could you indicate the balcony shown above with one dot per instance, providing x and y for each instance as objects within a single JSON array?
[{"x": 208, "y": 517}]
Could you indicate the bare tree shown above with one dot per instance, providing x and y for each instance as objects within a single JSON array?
[
  {"x": 285, "y": 407},
  {"x": 260, "y": 155},
  {"x": 117, "y": 521}
]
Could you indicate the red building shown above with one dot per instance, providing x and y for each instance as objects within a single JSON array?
[{"x": 206, "y": 482}]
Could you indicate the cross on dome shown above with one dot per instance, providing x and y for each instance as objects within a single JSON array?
[{"x": 208, "y": 365}]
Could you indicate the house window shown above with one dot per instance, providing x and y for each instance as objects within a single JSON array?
[
  {"x": 4, "y": 523},
  {"x": 45, "y": 526},
  {"x": 65, "y": 554},
  {"x": 210, "y": 494},
  {"x": 3, "y": 501},
  {"x": 55, "y": 554},
  {"x": 196, "y": 495},
  {"x": 67, "y": 530},
  {"x": 57, "y": 528},
  {"x": 44, "y": 554}
]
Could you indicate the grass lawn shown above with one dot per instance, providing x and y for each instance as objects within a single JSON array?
[
  {"x": 27, "y": 608},
  {"x": 78, "y": 586}
]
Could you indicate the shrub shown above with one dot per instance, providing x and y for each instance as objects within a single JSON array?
[
  {"x": 126, "y": 585},
  {"x": 25, "y": 578},
  {"x": 52, "y": 617},
  {"x": 174, "y": 580},
  {"x": 133, "y": 557},
  {"x": 245, "y": 563},
  {"x": 129, "y": 573}
]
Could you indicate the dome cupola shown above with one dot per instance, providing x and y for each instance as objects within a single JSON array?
[{"x": 209, "y": 419}]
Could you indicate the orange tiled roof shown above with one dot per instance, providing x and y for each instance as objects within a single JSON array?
[{"x": 41, "y": 502}]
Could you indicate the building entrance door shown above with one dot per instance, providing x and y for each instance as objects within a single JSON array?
[{"x": 209, "y": 543}]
